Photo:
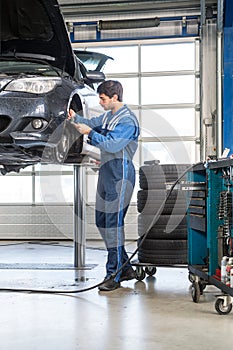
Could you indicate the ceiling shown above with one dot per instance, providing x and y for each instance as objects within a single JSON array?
[{"x": 103, "y": 8}]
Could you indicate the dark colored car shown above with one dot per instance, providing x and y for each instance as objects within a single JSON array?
[{"x": 40, "y": 80}]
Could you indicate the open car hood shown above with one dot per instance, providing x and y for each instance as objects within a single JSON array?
[
  {"x": 93, "y": 61},
  {"x": 35, "y": 29}
]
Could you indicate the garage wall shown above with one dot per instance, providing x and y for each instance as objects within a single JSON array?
[
  {"x": 29, "y": 222},
  {"x": 38, "y": 203}
]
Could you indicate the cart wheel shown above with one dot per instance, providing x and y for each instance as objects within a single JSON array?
[
  {"x": 191, "y": 277},
  {"x": 150, "y": 270},
  {"x": 140, "y": 273},
  {"x": 221, "y": 309},
  {"x": 195, "y": 292},
  {"x": 202, "y": 286}
]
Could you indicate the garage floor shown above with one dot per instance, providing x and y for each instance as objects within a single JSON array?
[{"x": 157, "y": 313}]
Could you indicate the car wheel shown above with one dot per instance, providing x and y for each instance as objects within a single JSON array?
[{"x": 61, "y": 150}]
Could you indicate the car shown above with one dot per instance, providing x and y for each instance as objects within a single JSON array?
[{"x": 41, "y": 78}]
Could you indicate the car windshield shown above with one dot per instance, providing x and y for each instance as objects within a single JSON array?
[{"x": 16, "y": 67}]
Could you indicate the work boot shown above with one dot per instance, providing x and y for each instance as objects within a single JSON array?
[
  {"x": 128, "y": 274},
  {"x": 109, "y": 285}
]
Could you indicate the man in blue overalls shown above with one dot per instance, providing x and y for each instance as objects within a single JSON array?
[{"x": 115, "y": 133}]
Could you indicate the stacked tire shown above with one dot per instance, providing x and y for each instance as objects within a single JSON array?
[{"x": 162, "y": 207}]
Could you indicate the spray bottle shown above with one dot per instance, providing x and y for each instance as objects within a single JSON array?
[
  {"x": 224, "y": 263},
  {"x": 229, "y": 268}
]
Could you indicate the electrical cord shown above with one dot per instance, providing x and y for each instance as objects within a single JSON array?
[{"x": 46, "y": 291}]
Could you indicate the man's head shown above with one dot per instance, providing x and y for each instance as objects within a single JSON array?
[
  {"x": 111, "y": 88},
  {"x": 110, "y": 94}
]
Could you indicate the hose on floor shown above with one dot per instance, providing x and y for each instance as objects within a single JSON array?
[{"x": 156, "y": 216}]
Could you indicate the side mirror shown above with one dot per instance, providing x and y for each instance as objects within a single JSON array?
[{"x": 94, "y": 77}]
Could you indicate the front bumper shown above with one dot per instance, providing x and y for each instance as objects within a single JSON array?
[{"x": 30, "y": 140}]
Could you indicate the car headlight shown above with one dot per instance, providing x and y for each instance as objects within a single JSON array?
[
  {"x": 33, "y": 85},
  {"x": 3, "y": 82},
  {"x": 37, "y": 123}
]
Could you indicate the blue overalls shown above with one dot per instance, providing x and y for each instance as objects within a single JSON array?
[{"x": 116, "y": 135}]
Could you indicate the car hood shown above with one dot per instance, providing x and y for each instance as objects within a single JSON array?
[
  {"x": 92, "y": 60},
  {"x": 35, "y": 29}
]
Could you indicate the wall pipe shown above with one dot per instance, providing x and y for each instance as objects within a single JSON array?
[
  {"x": 219, "y": 83},
  {"x": 202, "y": 23}
]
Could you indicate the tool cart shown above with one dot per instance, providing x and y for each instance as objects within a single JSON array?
[{"x": 209, "y": 220}]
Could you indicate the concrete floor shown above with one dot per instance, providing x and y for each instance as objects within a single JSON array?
[{"x": 154, "y": 314}]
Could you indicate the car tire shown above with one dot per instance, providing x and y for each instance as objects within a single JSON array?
[
  {"x": 163, "y": 252},
  {"x": 161, "y": 233},
  {"x": 151, "y": 201},
  {"x": 158, "y": 246},
  {"x": 159, "y": 176},
  {"x": 165, "y": 227},
  {"x": 62, "y": 148},
  {"x": 162, "y": 260}
]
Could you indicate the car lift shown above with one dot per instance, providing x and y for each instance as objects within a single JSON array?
[{"x": 79, "y": 216}]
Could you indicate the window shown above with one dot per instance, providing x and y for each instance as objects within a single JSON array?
[
  {"x": 121, "y": 62},
  {"x": 161, "y": 86},
  {"x": 174, "y": 152},
  {"x": 16, "y": 189},
  {"x": 167, "y": 57},
  {"x": 168, "y": 122},
  {"x": 54, "y": 184}
]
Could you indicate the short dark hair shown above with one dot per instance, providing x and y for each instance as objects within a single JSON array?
[{"x": 111, "y": 88}]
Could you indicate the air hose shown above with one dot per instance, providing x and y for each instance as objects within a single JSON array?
[{"x": 47, "y": 291}]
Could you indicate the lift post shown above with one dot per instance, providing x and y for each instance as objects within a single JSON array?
[{"x": 79, "y": 215}]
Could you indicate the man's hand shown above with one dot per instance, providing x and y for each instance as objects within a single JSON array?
[
  {"x": 83, "y": 128},
  {"x": 71, "y": 114}
]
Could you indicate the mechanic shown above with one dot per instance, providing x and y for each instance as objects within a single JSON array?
[{"x": 115, "y": 133}]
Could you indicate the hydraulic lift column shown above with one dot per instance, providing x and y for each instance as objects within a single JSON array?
[{"x": 79, "y": 215}]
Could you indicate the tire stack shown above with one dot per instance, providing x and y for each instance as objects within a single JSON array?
[{"x": 161, "y": 219}]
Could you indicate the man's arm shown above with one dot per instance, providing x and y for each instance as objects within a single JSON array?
[
  {"x": 93, "y": 123},
  {"x": 116, "y": 139}
]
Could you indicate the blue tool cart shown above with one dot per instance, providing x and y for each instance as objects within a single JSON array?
[{"x": 210, "y": 234}]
